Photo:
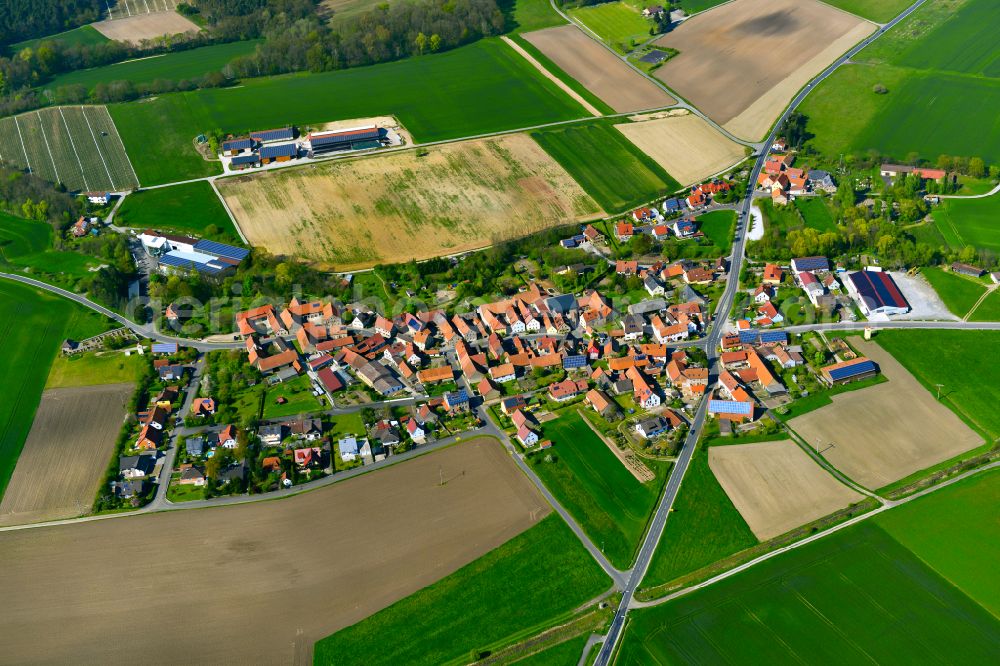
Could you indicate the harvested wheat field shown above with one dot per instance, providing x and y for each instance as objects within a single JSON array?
[
  {"x": 256, "y": 583},
  {"x": 352, "y": 214},
  {"x": 776, "y": 486},
  {"x": 685, "y": 145},
  {"x": 599, "y": 70},
  {"x": 145, "y": 26},
  {"x": 744, "y": 61},
  {"x": 64, "y": 458},
  {"x": 885, "y": 432}
]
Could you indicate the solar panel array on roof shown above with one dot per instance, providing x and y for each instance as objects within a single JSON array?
[
  {"x": 654, "y": 57},
  {"x": 240, "y": 160},
  {"x": 238, "y": 144},
  {"x": 282, "y": 134},
  {"x": 456, "y": 397},
  {"x": 366, "y": 134},
  {"x": 164, "y": 347},
  {"x": 756, "y": 336},
  {"x": 280, "y": 150},
  {"x": 878, "y": 289},
  {"x": 730, "y": 407},
  {"x": 853, "y": 370},
  {"x": 800, "y": 264},
  {"x": 672, "y": 204},
  {"x": 211, "y": 267},
  {"x": 222, "y": 250},
  {"x": 576, "y": 361}
]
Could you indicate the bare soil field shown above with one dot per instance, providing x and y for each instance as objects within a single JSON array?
[
  {"x": 776, "y": 486},
  {"x": 599, "y": 70},
  {"x": 256, "y": 583},
  {"x": 888, "y": 431},
  {"x": 743, "y": 62},
  {"x": 352, "y": 214},
  {"x": 686, "y": 146},
  {"x": 66, "y": 453},
  {"x": 145, "y": 26}
]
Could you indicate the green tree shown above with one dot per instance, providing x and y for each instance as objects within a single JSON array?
[
  {"x": 421, "y": 42},
  {"x": 435, "y": 42},
  {"x": 977, "y": 167}
]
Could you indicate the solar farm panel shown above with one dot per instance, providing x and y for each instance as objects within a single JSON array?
[
  {"x": 222, "y": 250},
  {"x": 282, "y": 134},
  {"x": 852, "y": 370},
  {"x": 576, "y": 361},
  {"x": 280, "y": 150}
]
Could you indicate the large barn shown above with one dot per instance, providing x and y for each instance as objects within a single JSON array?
[
  {"x": 357, "y": 138},
  {"x": 876, "y": 293}
]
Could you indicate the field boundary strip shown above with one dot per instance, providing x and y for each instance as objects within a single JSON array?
[
  {"x": 72, "y": 143},
  {"x": 98, "y": 147},
  {"x": 121, "y": 143},
  {"x": 23, "y": 147}
]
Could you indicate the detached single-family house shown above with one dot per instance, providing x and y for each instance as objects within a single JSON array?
[
  {"x": 527, "y": 436},
  {"x": 653, "y": 427},
  {"x": 227, "y": 437}
]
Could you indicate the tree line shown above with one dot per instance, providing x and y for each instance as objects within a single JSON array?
[{"x": 27, "y": 19}]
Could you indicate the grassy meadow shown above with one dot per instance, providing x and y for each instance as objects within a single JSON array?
[
  {"x": 298, "y": 395},
  {"x": 617, "y": 23},
  {"x": 880, "y": 11},
  {"x": 85, "y": 35},
  {"x": 191, "y": 208},
  {"x": 969, "y": 222},
  {"x": 958, "y": 292},
  {"x": 989, "y": 309},
  {"x": 527, "y": 583},
  {"x": 528, "y": 15},
  {"x": 816, "y": 214},
  {"x": 482, "y": 87},
  {"x": 26, "y": 246},
  {"x": 719, "y": 227},
  {"x": 91, "y": 369},
  {"x": 609, "y": 167},
  {"x": 608, "y": 502},
  {"x": 960, "y": 360},
  {"x": 703, "y": 528}
]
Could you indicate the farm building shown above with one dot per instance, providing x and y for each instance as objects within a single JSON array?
[
  {"x": 966, "y": 269},
  {"x": 849, "y": 371},
  {"x": 238, "y": 146},
  {"x": 99, "y": 198},
  {"x": 357, "y": 138},
  {"x": 274, "y": 135},
  {"x": 734, "y": 410},
  {"x": 803, "y": 264},
  {"x": 282, "y": 152},
  {"x": 876, "y": 293},
  {"x": 184, "y": 253},
  {"x": 241, "y": 162}
]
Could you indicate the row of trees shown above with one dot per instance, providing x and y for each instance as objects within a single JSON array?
[{"x": 27, "y": 19}]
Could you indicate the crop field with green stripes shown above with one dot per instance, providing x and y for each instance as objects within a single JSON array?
[{"x": 77, "y": 146}]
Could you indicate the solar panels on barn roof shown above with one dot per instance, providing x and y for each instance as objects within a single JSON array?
[
  {"x": 810, "y": 264},
  {"x": 878, "y": 290},
  {"x": 240, "y": 160},
  {"x": 238, "y": 144},
  {"x": 325, "y": 138},
  {"x": 280, "y": 150},
  {"x": 730, "y": 407},
  {"x": 283, "y": 134},
  {"x": 756, "y": 336},
  {"x": 222, "y": 250},
  {"x": 179, "y": 261},
  {"x": 852, "y": 370}
]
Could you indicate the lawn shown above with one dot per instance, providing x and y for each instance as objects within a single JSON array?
[
  {"x": 816, "y": 214},
  {"x": 969, "y": 222},
  {"x": 192, "y": 208},
  {"x": 703, "y": 528},
  {"x": 297, "y": 392},
  {"x": 959, "y": 293},
  {"x": 26, "y": 244},
  {"x": 719, "y": 227},
  {"x": 186, "y": 493},
  {"x": 480, "y": 88},
  {"x": 176, "y": 66},
  {"x": 609, "y": 167},
  {"x": 951, "y": 531},
  {"x": 989, "y": 309},
  {"x": 610, "y": 504},
  {"x": 528, "y": 15},
  {"x": 618, "y": 24},
  {"x": 523, "y": 585},
  {"x": 852, "y": 597},
  {"x": 959, "y": 360},
  {"x": 879, "y": 11},
  {"x": 32, "y": 325},
  {"x": 88, "y": 369},
  {"x": 346, "y": 424}
]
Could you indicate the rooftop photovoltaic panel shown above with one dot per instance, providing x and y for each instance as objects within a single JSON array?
[
  {"x": 730, "y": 407},
  {"x": 811, "y": 263},
  {"x": 164, "y": 347},
  {"x": 878, "y": 289},
  {"x": 653, "y": 57},
  {"x": 281, "y": 150},
  {"x": 237, "y": 144},
  {"x": 576, "y": 361},
  {"x": 181, "y": 262},
  {"x": 341, "y": 137},
  {"x": 756, "y": 336},
  {"x": 852, "y": 370},
  {"x": 282, "y": 134},
  {"x": 245, "y": 159},
  {"x": 222, "y": 250}
]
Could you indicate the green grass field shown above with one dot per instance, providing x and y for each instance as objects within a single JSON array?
[
  {"x": 960, "y": 360},
  {"x": 84, "y": 35},
  {"x": 873, "y": 10},
  {"x": 856, "y": 596},
  {"x": 816, "y": 214},
  {"x": 32, "y": 325},
  {"x": 620, "y": 25},
  {"x": 528, "y": 15},
  {"x": 703, "y": 528},
  {"x": 557, "y": 655},
  {"x": 964, "y": 42},
  {"x": 298, "y": 394},
  {"x": 692, "y": 6},
  {"x": 176, "y": 66},
  {"x": 607, "y": 165},
  {"x": 26, "y": 244},
  {"x": 719, "y": 227},
  {"x": 989, "y": 309},
  {"x": 969, "y": 222},
  {"x": 479, "y": 88},
  {"x": 192, "y": 208},
  {"x": 89, "y": 369},
  {"x": 951, "y": 531},
  {"x": 959, "y": 293},
  {"x": 525, "y": 583},
  {"x": 610, "y": 504}
]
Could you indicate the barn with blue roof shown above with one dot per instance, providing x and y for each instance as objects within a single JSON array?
[
  {"x": 274, "y": 135},
  {"x": 853, "y": 370}
]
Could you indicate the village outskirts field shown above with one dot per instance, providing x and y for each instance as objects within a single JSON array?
[{"x": 549, "y": 512}]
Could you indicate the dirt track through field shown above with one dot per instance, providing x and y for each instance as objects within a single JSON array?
[
  {"x": 352, "y": 214},
  {"x": 66, "y": 453},
  {"x": 599, "y": 70},
  {"x": 776, "y": 486},
  {"x": 255, "y": 583},
  {"x": 145, "y": 26},
  {"x": 888, "y": 431},
  {"x": 741, "y": 63},
  {"x": 686, "y": 146},
  {"x": 591, "y": 109}
]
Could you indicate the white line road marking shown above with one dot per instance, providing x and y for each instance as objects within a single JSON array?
[
  {"x": 73, "y": 143},
  {"x": 118, "y": 136},
  {"x": 98, "y": 147},
  {"x": 41, "y": 127},
  {"x": 20, "y": 136}
]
